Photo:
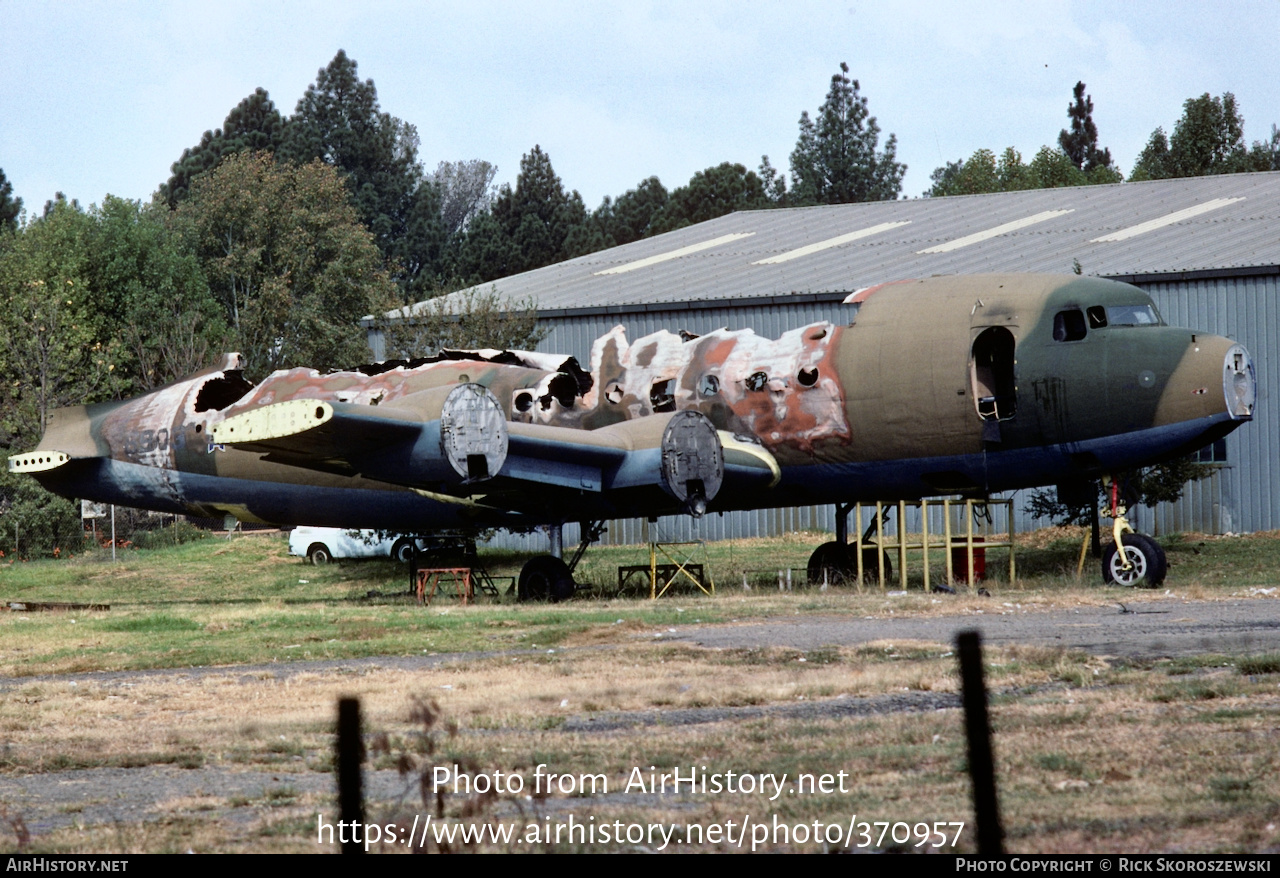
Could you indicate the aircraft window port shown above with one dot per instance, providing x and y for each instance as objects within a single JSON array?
[
  {"x": 524, "y": 401},
  {"x": 614, "y": 393},
  {"x": 757, "y": 381},
  {"x": 661, "y": 397},
  {"x": 1097, "y": 317},
  {"x": 1132, "y": 315},
  {"x": 1069, "y": 325},
  {"x": 808, "y": 376},
  {"x": 709, "y": 385}
]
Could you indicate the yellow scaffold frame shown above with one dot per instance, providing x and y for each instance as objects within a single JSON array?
[{"x": 902, "y": 542}]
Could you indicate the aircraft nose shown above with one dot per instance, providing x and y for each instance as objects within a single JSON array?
[{"x": 1239, "y": 383}]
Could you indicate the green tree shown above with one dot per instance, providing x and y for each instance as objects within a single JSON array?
[
  {"x": 171, "y": 324},
  {"x": 1162, "y": 483},
  {"x": 286, "y": 256},
  {"x": 57, "y": 338},
  {"x": 1080, "y": 144},
  {"x": 982, "y": 172},
  {"x": 1264, "y": 155},
  {"x": 632, "y": 214},
  {"x": 465, "y": 190},
  {"x": 712, "y": 193},
  {"x": 10, "y": 207},
  {"x": 468, "y": 320},
  {"x": 35, "y": 523},
  {"x": 1207, "y": 140},
  {"x": 775, "y": 184},
  {"x": 835, "y": 160},
  {"x": 339, "y": 122},
  {"x": 529, "y": 226},
  {"x": 424, "y": 252},
  {"x": 254, "y": 124},
  {"x": 1153, "y": 161}
]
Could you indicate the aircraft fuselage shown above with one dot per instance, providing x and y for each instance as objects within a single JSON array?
[{"x": 940, "y": 386}]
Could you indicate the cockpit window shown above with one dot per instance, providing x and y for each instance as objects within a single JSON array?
[
  {"x": 1097, "y": 317},
  {"x": 1069, "y": 325},
  {"x": 1132, "y": 315}
]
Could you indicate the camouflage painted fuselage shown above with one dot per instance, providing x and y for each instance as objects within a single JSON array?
[{"x": 939, "y": 386}]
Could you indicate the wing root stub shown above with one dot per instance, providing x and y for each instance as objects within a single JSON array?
[
  {"x": 37, "y": 461},
  {"x": 275, "y": 421}
]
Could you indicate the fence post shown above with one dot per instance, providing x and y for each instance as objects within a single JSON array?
[
  {"x": 978, "y": 732},
  {"x": 350, "y": 754}
]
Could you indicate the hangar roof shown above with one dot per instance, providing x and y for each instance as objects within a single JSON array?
[{"x": 1131, "y": 231}]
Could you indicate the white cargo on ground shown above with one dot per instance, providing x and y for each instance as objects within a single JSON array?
[{"x": 321, "y": 545}]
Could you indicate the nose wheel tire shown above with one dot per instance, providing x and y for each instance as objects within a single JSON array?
[
  {"x": 1147, "y": 563},
  {"x": 545, "y": 578}
]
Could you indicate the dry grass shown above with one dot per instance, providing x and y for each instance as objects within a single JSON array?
[{"x": 1093, "y": 756}]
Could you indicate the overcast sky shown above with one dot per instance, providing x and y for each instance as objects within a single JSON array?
[{"x": 102, "y": 98}]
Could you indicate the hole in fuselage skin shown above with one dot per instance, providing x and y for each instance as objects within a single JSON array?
[
  {"x": 757, "y": 381},
  {"x": 319, "y": 413},
  {"x": 524, "y": 402},
  {"x": 808, "y": 376},
  {"x": 661, "y": 397},
  {"x": 477, "y": 466},
  {"x": 220, "y": 392}
]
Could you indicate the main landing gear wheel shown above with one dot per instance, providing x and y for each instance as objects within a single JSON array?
[
  {"x": 831, "y": 563},
  {"x": 545, "y": 578},
  {"x": 837, "y": 561},
  {"x": 1147, "y": 563}
]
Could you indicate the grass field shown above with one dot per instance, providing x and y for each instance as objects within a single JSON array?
[{"x": 1093, "y": 755}]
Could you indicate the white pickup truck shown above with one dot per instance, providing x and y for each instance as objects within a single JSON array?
[{"x": 320, "y": 545}]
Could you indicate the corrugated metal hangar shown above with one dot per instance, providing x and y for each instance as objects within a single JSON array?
[{"x": 1206, "y": 249}]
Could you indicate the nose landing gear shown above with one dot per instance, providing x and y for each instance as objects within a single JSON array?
[{"x": 1132, "y": 559}]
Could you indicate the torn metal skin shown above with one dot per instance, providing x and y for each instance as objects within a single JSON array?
[{"x": 949, "y": 384}]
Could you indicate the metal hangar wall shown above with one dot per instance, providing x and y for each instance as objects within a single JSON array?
[{"x": 1206, "y": 249}]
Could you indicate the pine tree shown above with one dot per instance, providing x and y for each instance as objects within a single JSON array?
[
  {"x": 713, "y": 193},
  {"x": 339, "y": 121},
  {"x": 254, "y": 124},
  {"x": 835, "y": 160},
  {"x": 10, "y": 207},
  {"x": 528, "y": 227},
  {"x": 1081, "y": 142}
]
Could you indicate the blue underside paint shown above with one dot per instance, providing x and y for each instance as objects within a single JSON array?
[
  {"x": 111, "y": 481},
  {"x": 991, "y": 472}
]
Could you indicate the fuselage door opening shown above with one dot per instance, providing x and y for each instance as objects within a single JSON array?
[{"x": 991, "y": 374}]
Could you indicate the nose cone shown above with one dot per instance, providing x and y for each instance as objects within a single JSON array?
[
  {"x": 1191, "y": 392},
  {"x": 1239, "y": 383}
]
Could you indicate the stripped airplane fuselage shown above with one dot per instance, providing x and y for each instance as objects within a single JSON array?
[{"x": 939, "y": 386}]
